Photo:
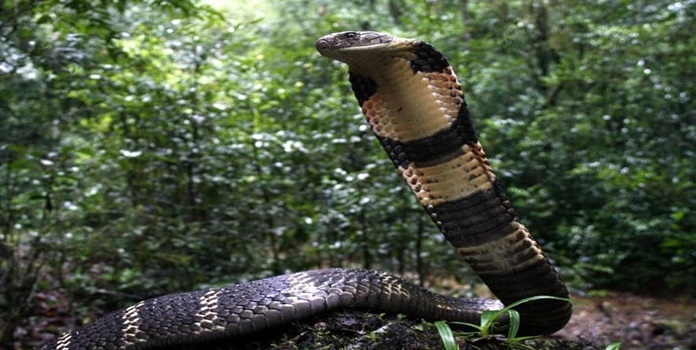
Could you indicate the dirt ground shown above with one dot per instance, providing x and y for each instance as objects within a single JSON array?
[
  {"x": 634, "y": 321},
  {"x": 637, "y": 322}
]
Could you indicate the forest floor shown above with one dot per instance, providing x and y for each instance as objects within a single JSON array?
[
  {"x": 637, "y": 322},
  {"x": 634, "y": 321}
]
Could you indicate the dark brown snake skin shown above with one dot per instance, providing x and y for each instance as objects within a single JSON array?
[{"x": 411, "y": 98}]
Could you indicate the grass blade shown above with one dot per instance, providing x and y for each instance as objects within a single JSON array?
[
  {"x": 614, "y": 346},
  {"x": 514, "y": 324},
  {"x": 446, "y": 335}
]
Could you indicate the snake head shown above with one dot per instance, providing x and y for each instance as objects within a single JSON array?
[{"x": 336, "y": 45}]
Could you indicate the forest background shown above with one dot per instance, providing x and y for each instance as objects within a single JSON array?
[{"x": 148, "y": 147}]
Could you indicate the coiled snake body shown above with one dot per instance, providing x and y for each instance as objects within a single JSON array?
[{"x": 413, "y": 102}]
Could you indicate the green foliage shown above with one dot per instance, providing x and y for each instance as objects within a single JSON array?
[
  {"x": 490, "y": 320},
  {"x": 591, "y": 139},
  {"x": 156, "y": 146}
]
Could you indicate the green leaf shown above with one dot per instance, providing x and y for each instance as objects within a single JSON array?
[
  {"x": 446, "y": 335},
  {"x": 613, "y": 346},
  {"x": 514, "y": 324}
]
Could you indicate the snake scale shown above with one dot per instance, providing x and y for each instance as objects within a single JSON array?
[{"x": 414, "y": 104}]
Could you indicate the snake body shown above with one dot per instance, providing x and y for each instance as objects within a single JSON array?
[{"x": 414, "y": 104}]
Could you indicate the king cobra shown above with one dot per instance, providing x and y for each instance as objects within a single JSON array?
[{"x": 413, "y": 102}]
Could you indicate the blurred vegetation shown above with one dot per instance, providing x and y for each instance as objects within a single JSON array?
[{"x": 148, "y": 147}]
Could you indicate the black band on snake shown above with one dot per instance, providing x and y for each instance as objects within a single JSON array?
[{"x": 411, "y": 98}]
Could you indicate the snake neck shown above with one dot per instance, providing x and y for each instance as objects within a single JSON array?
[{"x": 414, "y": 104}]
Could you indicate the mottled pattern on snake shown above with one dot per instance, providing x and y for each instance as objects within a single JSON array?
[{"x": 413, "y": 102}]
